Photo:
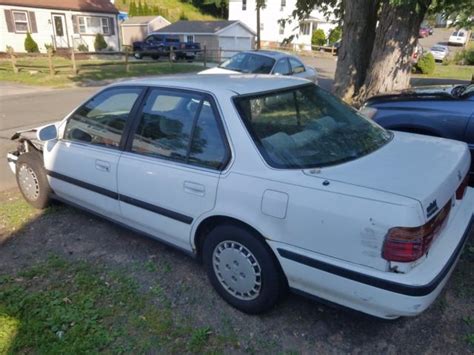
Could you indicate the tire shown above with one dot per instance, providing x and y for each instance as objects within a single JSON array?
[
  {"x": 32, "y": 181},
  {"x": 249, "y": 278},
  {"x": 155, "y": 57}
]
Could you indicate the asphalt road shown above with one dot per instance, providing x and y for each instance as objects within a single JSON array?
[{"x": 23, "y": 107}]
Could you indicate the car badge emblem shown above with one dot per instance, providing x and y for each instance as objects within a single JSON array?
[{"x": 432, "y": 208}]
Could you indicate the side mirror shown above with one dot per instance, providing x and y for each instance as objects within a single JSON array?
[{"x": 47, "y": 133}]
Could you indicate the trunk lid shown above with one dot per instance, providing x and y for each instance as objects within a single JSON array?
[{"x": 424, "y": 168}]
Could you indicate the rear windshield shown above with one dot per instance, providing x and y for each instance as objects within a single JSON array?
[
  {"x": 307, "y": 127},
  {"x": 249, "y": 63},
  {"x": 438, "y": 49}
]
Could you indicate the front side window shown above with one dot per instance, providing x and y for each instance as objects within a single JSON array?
[
  {"x": 180, "y": 127},
  {"x": 101, "y": 121},
  {"x": 21, "y": 21},
  {"x": 282, "y": 67},
  {"x": 249, "y": 63},
  {"x": 296, "y": 66},
  {"x": 307, "y": 127}
]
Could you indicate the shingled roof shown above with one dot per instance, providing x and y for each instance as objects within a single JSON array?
[
  {"x": 196, "y": 26},
  {"x": 103, "y": 6}
]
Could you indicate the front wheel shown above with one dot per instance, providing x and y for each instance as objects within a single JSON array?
[
  {"x": 32, "y": 181},
  {"x": 242, "y": 269}
]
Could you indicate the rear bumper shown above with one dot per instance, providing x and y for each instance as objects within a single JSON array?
[{"x": 382, "y": 294}]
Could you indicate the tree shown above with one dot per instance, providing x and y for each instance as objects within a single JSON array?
[
  {"x": 132, "y": 10},
  {"x": 318, "y": 38},
  {"x": 146, "y": 9},
  {"x": 139, "y": 9},
  {"x": 99, "y": 42},
  {"x": 335, "y": 35},
  {"x": 30, "y": 45}
]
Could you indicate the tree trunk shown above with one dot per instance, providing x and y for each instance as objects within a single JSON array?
[
  {"x": 360, "y": 18},
  {"x": 395, "y": 40}
]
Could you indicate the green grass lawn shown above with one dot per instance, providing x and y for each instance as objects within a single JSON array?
[
  {"x": 460, "y": 72},
  {"x": 70, "y": 307},
  {"x": 35, "y": 71}
]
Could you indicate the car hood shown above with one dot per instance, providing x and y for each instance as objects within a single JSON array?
[
  {"x": 423, "y": 168},
  {"x": 217, "y": 70},
  {"x": 438, "y": 92}
]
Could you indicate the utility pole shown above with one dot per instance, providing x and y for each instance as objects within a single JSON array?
[{"x": 260, "y": 4}]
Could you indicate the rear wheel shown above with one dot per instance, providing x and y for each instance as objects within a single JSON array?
[
  {"x": 32, "y": 181},
  {"x": 242, "y": 269}
]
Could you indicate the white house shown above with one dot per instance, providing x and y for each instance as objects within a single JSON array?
[
  {"x": 63, "y": 24},
  {"x": 272, "y": 33}
]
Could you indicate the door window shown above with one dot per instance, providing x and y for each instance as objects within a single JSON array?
[
  {"x": 101, "y": 121},
  {"x": 58, "y": 25},
  {"x": 282, "y": 67},
  {"x": 165, "y": 126},
  {"x": 207, "y": 148},
  {"x": 296, "y": 66}
]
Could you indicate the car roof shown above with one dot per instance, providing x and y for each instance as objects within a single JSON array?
[{"x": 241, "y": 84}]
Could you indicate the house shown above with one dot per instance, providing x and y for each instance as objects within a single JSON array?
[
  {"x": 138, "y": 27},
  {"x": 62, "y": 24},
  {"x": 272, "y": 32},
  {"x": 222, "y": 38}
]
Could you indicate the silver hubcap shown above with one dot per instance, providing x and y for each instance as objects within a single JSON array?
[
  {"x": 28, "y": 182},
  {"x": 237, "y": 270}
]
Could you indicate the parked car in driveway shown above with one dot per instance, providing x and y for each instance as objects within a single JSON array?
[
  {"x": 439, "y": 52},
  {"x": 459, "y": 37},
  {"x": 158, "y": 45},
  {"x": 441, "y": 111},
  {"x": 271, "y": 181},
  {"x": 265, "y": 62}
]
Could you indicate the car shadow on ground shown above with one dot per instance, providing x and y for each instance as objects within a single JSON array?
[{"x": 296, "y": 324}]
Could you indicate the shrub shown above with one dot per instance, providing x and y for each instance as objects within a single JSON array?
[
  {"x": 183, "y": 16},
  {"x": 335, "y": 35},
  {"x": 83, "y": 48},
  {"x": 465, "y": 57},
  {"x": 99, "y": 43},
  {"x": 318, "y": 38},
  {"x": 426, "y": 64},
  {"x": 30, "y": 45}
]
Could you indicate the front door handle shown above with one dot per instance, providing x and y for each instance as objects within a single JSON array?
[
  {"x": 194, "y": 188},
  {"x": 102, "y": 165}
]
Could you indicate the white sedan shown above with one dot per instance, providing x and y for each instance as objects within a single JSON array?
[
  {"x": 272, "y": 182},
  {"x": 439, "y": 52},
  {"x": 459, "y": 37}
]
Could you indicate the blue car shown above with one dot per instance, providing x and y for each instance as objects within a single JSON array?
[{"x": 440, "y": 111}]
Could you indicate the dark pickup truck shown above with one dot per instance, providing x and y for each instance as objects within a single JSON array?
[{"x": 158, "y": 45}]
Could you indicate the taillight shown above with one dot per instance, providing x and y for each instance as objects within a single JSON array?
[
  {"x": 462, "y": 188},
  {"x": 405, "y": 244}
]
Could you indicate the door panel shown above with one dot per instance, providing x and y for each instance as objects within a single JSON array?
[
  {"x": 82, "y": 165},
  {"x": 60, "y": 34},
  {"x": 170, "y": 175}
]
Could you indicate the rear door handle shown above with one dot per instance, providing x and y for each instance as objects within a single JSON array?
[
  {"x": 102, "y": 165},
  {"x": 194, "y": 188}
]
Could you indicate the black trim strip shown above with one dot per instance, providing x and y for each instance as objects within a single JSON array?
[
  {"x": 85, "y": 185},
  {"x": 409, "y": 290},
  {"x": 130, "y": 200},
  {"x": 160, "y": 210}
]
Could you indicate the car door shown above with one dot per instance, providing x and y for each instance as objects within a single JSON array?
[
  {"x": 168, "y": 175},
  {"x": 82, "y": 164}
]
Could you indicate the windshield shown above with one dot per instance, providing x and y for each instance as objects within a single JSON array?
[
  {"x": 307, "y": 127},
  {"x": 249, "y": 63},
  {"x": 438, "y": 49}
]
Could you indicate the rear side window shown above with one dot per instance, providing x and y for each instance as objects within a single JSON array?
[
  {"x": 165, "y": 126},
  {"x": 101, "y": 121},
  {"x": 282, "y": 67},
  {"x": 207, "y": 148},
  {"x": 181, "y": 127}
]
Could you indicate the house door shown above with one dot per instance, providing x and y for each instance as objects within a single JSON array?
[{"x": 60, "y": 34}]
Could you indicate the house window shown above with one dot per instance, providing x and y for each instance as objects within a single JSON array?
[
  {"x": 244, "y": 5},
  {"x": 189, "y": 38},
  {"x": 94, "y": 25},
  {"x": 21, "y": 21},
  {"x": 305, "y": 28},
  {"x": 282, "y": 28}
]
